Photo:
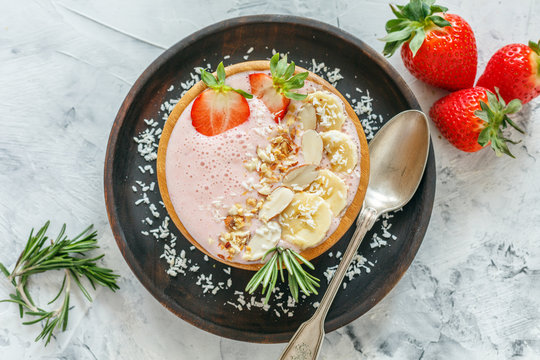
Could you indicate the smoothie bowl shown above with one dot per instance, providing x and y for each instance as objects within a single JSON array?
[{"x": 242, "y": 172}]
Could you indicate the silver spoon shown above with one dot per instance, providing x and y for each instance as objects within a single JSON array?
[{"x": 398, "y": 155}]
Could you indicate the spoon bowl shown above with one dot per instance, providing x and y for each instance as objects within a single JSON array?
[{"x": 398, "y": 153}]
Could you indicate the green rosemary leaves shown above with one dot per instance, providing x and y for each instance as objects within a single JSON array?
[
  {"x": 65, "y": 254},
  {"x": 298, "y": 277}
]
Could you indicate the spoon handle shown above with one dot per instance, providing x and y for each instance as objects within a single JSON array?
[{"x": 306, "y": 342}]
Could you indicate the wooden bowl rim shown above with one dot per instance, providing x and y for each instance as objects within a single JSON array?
[{"x": 351, "y": 212}]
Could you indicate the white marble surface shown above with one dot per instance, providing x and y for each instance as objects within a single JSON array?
[{"x": 473, "y": 291}]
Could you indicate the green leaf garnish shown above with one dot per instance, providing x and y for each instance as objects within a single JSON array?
[
  {"x": 535, "y": 46},
  {"x": 221, "y": 73},
  {"x": 494, "y": 113},
  {"x": 412, "y": 22},
  {"x": 42, "y": 254},
  {"x": 298, "y": 277},
  {"x": 218, "y": 83},
  {"x": 283, "y": 79}
]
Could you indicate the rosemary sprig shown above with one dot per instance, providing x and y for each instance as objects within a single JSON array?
[
  {"x": 298, "y": 277},
  {"x": 61, "y": 254}
]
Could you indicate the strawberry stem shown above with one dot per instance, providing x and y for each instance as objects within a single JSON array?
[
  {"x": 218, "y": 83},
  {"x": 494, "y": 113},
  {"x": 536, "y": 48},
  {"x": 283, "y": 79},
  {"x": 413, "y": 20}
]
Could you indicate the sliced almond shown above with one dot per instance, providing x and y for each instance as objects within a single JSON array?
[
  {"x": 275, "y": 203},
  {"x": 300, "y": 177},
  {"x": 263, "y": 189},
  {"x": 312, "y": 147},
  {"x": 308, "y": 117}
]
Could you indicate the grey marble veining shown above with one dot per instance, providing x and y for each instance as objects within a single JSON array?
[{"x": 473, "y": 291}]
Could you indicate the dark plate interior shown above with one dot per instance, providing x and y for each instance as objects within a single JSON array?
[{"x": 304, "y": 39}]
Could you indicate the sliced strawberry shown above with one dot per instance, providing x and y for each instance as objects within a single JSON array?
[
  {"x": 215, "y": 112},
  {"x": 220, "y": 107},
  {"x": 262, "y": 86},
  {"x": 276, "y": 91}
]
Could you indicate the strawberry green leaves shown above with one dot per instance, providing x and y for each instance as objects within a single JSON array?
[
  {"x": 218, "y": 83},
  {"x": 282, "y": 76},
  {"x": 412, "y": 21},
  {"x": 283, "y": 79},
  {"x": 535, "y": 46},
  {"x": 494, "y": 113}
]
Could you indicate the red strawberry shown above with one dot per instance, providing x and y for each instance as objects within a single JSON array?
[
  {"x": 515, "y": 70},
  {"x": 439, "y": 49},
  {"x": 220, "y": 107},
  {"x": 215, "y": 112},
  {"x": 262, "y": 87},
  {"x": 472, "y": 118},
  {"x": 274, "y": 91}
]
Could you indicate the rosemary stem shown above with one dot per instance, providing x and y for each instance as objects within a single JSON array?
[
  {"x": 15, "y": 271},
  {"x": 66, "y": 291},
  {"x": 21, "y": 272},
  {"x": 25, "y": 298}
]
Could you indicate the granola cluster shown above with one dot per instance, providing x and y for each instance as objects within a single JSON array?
[{"x": 237, "y": 223}]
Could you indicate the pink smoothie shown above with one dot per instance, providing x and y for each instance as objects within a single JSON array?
[{"x": 206, "y": 175}]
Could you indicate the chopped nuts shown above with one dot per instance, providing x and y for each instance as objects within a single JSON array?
[
  {"x": 234, "y": 242},
  {"x": 252, "y": 164},
  {"x": 265, "y": 154},
  {"x": 234, "y": 222},
  {"x": 229, "y": 222}
]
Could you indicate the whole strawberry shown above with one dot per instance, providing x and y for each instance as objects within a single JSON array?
[
  {"x": 515, "y": 70},
  {"x": 470, "y": 119},
  {"x": 438, "y": 48}
]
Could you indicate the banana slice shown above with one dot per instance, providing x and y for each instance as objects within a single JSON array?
[
  {"x": 306, "y": 220},
  {"x": 329, "y": 110},
  {"x": 331, "y": 188},
  {"x": 264, "y": 238},
  {"x": 340, "y": 149}
]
